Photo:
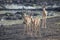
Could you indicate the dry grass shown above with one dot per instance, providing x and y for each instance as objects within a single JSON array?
[
  {"x": 10, "y": 22},
  {"x": 58, "y": 23}
]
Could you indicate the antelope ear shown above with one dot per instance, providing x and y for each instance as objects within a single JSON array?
[
  {"x": 43, "y": 8},
  {"x": 29, "y": 16},
  {"x": 23, "y": 22}
]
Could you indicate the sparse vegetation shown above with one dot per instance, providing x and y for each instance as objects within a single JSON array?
[{"x": 58, "y": 23}]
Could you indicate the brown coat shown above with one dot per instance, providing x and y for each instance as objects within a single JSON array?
[{"x": 44, "y": 15}]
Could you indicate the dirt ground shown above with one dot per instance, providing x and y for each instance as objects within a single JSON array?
[{"x": 15, "y": 32}]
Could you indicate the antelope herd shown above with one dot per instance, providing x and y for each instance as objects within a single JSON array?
[{"x": 32, "y": 25}]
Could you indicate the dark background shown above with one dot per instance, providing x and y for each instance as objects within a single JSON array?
[{"x": 29, "y": 2}]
